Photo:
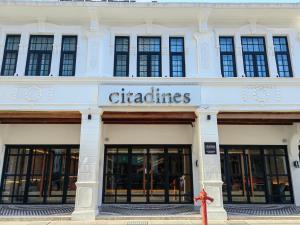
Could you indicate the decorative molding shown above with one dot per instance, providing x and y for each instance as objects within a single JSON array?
[
  {"x": 32, "y": 94},
  {"x": 261, "y": 94}
]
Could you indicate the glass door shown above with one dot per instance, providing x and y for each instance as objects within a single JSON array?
[
  {"x": 149, "y": 174},
  {"x": 256, "y": 174}
]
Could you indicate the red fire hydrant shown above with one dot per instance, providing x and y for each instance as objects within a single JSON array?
[{"x": 203, "y": 198}]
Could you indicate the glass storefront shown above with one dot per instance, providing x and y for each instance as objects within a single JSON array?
[
  {"x": 148, "y": 174},
  {"x": 39, "y": 174},
  {"x": 256, "y": 174}
]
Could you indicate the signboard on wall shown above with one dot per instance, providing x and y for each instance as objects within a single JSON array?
[
  {"x": 156, "y": 95},
  {"x": 210, "y": 148}
]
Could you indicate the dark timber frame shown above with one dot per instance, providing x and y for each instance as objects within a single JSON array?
[
  {"x": 268, "y": 197},
  {"x": 28, "y": 175},
  {"x": 148, "y": 54},
  {"x": 166, "y": 183}
]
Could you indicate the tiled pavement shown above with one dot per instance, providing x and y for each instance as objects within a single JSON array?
[{"x": 145, "y": 210}]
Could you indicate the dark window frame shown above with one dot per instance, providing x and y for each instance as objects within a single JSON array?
[
  {"x": 261, "y": 148},
  {"x": 228, "y": 53},
  {"x": 287, "y": 53},
  {"x": 254, "y": 54},
  {"x": 117, "y": 53},
  {"x": 40, "y": 53},
  {"x": 28, "y": 175},
  {"x": 182, "y": 54},
  {"x": 149, "y": 54},
  {"x": 62, "y": 52},
  {"x": 10, "y": 51},
  {"x": 166, "y": 155}
]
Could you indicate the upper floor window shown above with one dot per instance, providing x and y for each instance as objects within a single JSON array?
[
  {"x": 121, "y": 64},
  {"x": 177, "y": 62},
  {"x": 227, "y": 57},
  {"x": 282, "y": 56},
  {"x": 149, "y": 57},
  {"x": 39, "y": 55},
  {"x": 10, "y": 57},
  {"x": 255, "y": 58},
  {"x": 68, "y": 56}
]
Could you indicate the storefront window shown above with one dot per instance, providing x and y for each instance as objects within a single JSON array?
[
  {"x": 256, "y": 174},
  {"x": 39, "y": 174}
]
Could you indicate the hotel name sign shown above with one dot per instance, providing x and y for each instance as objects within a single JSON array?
[{"x": 149, "y": 95}]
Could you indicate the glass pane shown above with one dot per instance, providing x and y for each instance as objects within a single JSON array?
[
  {"x": 69, "y": 43},
  {"x": 139, "y": 178},
  {"x": 176, "y": 44}
]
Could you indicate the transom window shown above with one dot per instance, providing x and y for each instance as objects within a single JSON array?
[
  {"x": 227, "y": 57},
  {"x": 68, "y": 56},
  {"x": 282, "y": 56},
  {"x": 10, "y": 56},
  {"x": 177, "y": 64},
  {"x": 121, "y": 64},
  {"x": 149, "y": 57},
  {"x": 39, "y": 55},
  {"x": 255, "y": 58}
]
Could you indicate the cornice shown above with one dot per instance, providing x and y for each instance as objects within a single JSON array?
[
  {"x": 149, "y": 81},
  {"x": 216, "y": 4}
]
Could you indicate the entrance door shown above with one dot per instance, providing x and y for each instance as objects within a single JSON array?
[
  {"x": 251, "y": 174},
  {"x": 149, "y": 174}
]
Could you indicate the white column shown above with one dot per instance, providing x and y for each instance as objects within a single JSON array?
[
  {"x": 22, "y": 55},
  {"x": 3, "y": 129},
  {"x": 87, "y": 192},
  {"x": 209, "y": 164},
  {"x": 55, "y": 61},
  {"x": 293, "y": 152}
]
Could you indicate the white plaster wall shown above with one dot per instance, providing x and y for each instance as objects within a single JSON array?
[
  {"x": 253, "y": 135},
  {"x": 148, "y": 134},
  {"x": 41, "y": 134}
]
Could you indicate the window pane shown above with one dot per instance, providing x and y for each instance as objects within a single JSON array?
[
  {"x": 121, "y": 67},
  {"x": 10, "y": 56},
  {"x": 227, "y": 56},
  {"x": 177, "y": 57},
  {"x": 68, "y": 56},
  {"x": 255, "y": 60},
  {"x": 39, "y": 55},
  {"x": 282, "y": 56},
  {"x": 176, "y": 45}
]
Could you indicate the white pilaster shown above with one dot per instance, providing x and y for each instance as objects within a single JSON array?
[
  {"x": 209, "y": 164},
  {"x": 2, "y": 46},
  {"x": 22, "y": 55},
  {"x": 3, "y": 129},
  {"x": 165, "y": 56},
  {"x": 271, "y": 56},
  {"x": 239, "y": 56},
  {"x": 93, "y": 53},
  {"x": 133, "y": 56},
  {"x": 87, "y": 192},
  {"x": 55, "y": 61},
  {"x": 293, "y": 152}
]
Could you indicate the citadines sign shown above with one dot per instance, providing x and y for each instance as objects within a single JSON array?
[{"x": 158, "y": 95}]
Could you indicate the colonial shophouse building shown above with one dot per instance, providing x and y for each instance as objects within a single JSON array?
[{"x": 146, "y": 102}]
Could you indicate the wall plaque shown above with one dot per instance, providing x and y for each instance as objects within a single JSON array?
[{"x": 210, "y": 148}]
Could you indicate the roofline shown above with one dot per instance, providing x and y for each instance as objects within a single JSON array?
[{"x": 231, "y": 5}]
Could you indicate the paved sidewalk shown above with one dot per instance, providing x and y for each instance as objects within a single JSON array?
[{"x": 161, "y": 222}]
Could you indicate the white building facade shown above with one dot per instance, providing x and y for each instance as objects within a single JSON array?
[{"x": 146, "y": 103}]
